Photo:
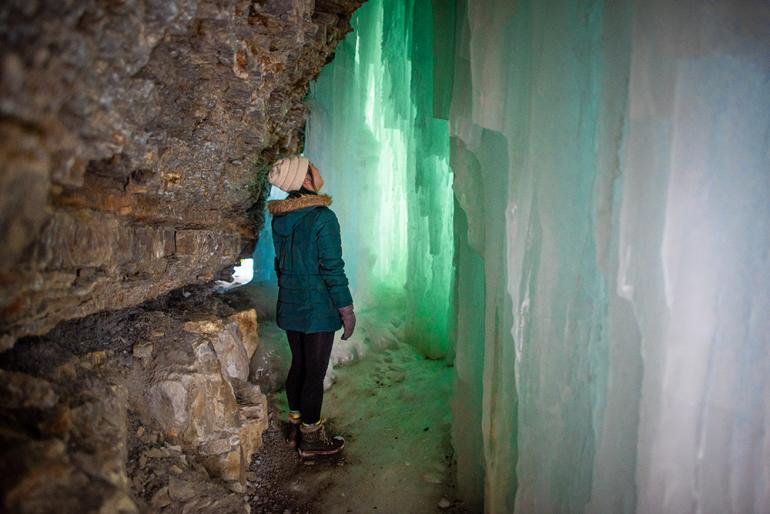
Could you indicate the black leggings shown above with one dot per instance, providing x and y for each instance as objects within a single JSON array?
[{"x": 305, "y": 383}]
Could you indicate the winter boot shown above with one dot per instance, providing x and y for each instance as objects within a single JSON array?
[
  {"x": 314, "y": 441},
  {"x": 292, "y": 436}
]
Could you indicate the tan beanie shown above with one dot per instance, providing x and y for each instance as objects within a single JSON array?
[{"x": 288, "y": 174}]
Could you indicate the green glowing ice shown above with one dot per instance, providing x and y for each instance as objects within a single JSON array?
[{"x": 373, "y": 133}]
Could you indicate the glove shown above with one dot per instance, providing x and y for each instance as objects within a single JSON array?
[{"x": 348, "y": 321}]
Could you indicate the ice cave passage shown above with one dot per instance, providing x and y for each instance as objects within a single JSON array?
[{"x": 572, "y": 201}]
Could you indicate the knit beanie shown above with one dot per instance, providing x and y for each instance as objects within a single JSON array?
[{"x": 288, "y": 174}]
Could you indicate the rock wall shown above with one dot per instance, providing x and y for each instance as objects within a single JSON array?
[
  {"x": 141, "y": 410},
  {"x": 128, "y": 137}
]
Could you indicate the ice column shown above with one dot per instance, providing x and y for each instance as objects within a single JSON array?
[{"x": 373, "y": 134}]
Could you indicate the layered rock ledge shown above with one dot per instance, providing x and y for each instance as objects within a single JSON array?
[{"x": 128, "y": 137}]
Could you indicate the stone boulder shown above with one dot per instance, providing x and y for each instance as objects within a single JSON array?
[
  {"x": 234, "y": 340},
  {"x": 195, "y": 390},
  {"x": 172, "y": 370}
]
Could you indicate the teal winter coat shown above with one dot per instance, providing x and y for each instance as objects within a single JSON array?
[{"x": 308, "y": 261}]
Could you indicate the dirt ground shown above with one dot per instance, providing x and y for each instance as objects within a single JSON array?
[{"x": 280, "y": 482}]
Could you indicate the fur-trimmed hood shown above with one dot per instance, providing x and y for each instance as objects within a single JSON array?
[{"x": 297, "y": 203}]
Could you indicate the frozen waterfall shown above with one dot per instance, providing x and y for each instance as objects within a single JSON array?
[
  {"x": 573, "y": 201},
  {"x": 372, "y": 132}
]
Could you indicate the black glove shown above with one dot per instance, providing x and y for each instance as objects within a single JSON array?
[{"x": 348, "y": 321}]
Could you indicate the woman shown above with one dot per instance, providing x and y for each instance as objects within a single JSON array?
[{"x": 313, "y": 296}]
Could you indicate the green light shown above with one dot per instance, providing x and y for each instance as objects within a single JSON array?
[{"x": 372, "y": 132}]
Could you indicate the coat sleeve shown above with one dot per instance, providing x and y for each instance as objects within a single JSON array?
[
  {"x": 330, "y": 264},
  {"x": 276, "y": 266}
]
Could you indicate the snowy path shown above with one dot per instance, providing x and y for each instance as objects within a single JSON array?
[{"x": 392, "y": 406}]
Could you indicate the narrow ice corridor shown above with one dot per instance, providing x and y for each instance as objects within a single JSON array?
[
  {"x": 569, "y": 202},
  {"x": 385, "y": 160},
  {"x": 392, "y": 406}
]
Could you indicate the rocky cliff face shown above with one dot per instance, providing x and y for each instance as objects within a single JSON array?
[
  {"x": 128, "y": 136},
  {"x": 139, "y": 410}
]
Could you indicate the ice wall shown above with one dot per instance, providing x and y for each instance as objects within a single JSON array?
[
  {"x": 612, "y": 179},
  {"x": 609, "y": 227},
  {"x": 385, "y": 158}
]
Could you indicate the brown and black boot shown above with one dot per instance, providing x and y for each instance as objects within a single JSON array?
[
  {"x": 292, "y": 434},
  {"x": 314, "y": 441}
]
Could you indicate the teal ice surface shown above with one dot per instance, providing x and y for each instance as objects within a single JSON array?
[{"x": 611, "y": 171}]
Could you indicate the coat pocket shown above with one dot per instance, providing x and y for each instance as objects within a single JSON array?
[{"x": 293, "y": 291}]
